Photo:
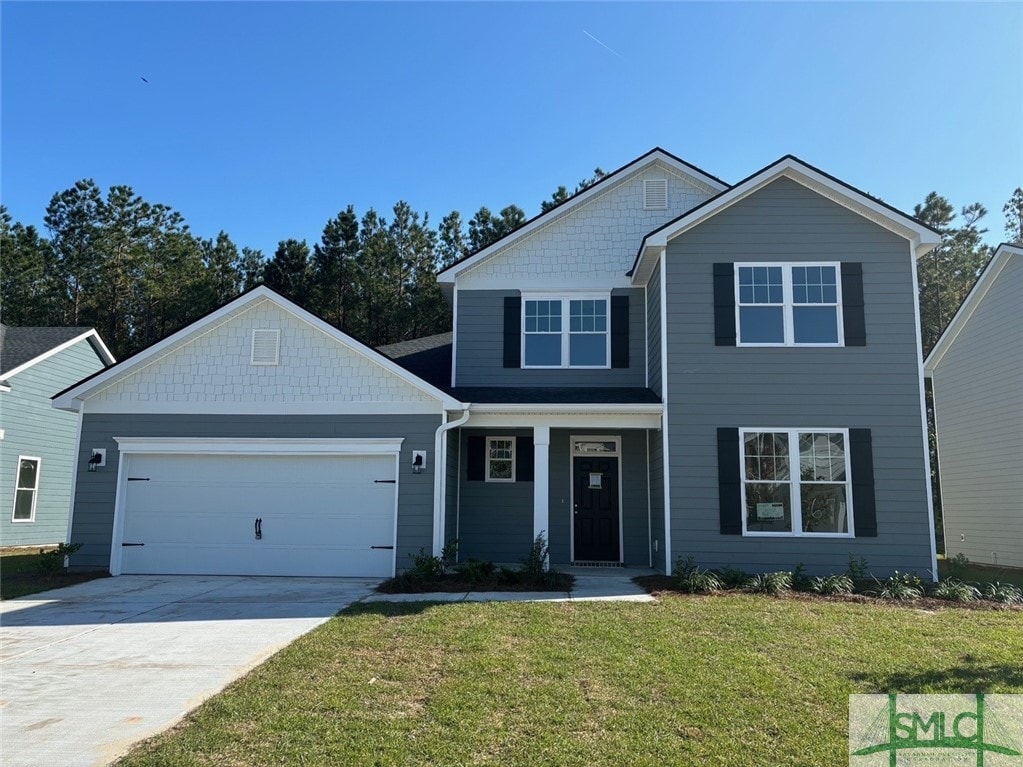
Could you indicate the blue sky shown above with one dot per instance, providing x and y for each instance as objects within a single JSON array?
[{"x": 266, "y": 119}]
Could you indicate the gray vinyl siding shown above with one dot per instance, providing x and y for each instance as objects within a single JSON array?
[
  {"x": 656, "y": 443},
  {"x": 479, "y": 346},
  {"x": 874, "y": 387},
  {"x": 451, "y": 485},
  {"x": 978, "y": 395},
  {"x": 94, "y": 494},
  {"x": 34, "y": 428},
  {"x": 495, "y": 519},
  {"x": 653, "y": 332}
]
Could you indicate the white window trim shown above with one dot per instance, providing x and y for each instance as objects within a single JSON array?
[
  {"x": 487, "y": 476},
  {"x": 787, "y": 303},
  {"x": 795, "y": 483},
  {"x": 565, "y": 297},
  {"x": 35, "y": 490}
]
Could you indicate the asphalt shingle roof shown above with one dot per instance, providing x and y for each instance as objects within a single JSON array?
[{"x": 19, "y": 345}]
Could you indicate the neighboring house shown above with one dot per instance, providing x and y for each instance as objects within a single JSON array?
[
  {"x": 976, "y": 371},
  {"x": 36, "y": 441},
  {"x": 663, "y": 365}
]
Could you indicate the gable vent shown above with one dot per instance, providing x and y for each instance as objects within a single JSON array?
[
  {"x": 655, "y": 194},
  {"x": 266, "y": 347}
]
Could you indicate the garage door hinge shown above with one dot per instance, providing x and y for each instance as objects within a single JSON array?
[
  {"x": 133, "y": 544},
  {"x": 384, "y": 481},
  {"x": 138, "y": 479}
]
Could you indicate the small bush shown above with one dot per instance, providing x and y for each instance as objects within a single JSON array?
[
  {"x": 535, "y": 563},
  {"x": 1005, "y": 593},
  {"x": 684, "y": 566},
  {"x": 958, "y": 567},
  {"x": 899, "y": 587},
  {"x": 857, "y": 570},
  {"x": 425, "y": 566},
  {"x": 697, "y": 581},
  {"x": 955, "y": 590},
  {"x": 732, "y": 578},
  {"x": 52, "y": 562},
  {"x": 800, "y": 580},
  {"x": 449, "y": 552},
  {"x": 477, "y": 571},
  {"x": 832, "y": 585},
  {"x": 770, "y": 583}
]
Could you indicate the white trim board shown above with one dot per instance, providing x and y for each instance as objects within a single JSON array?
[
  {"x": 272, "y": 407},
  {"x": 65, "y": 400},
  {"x": 260, "y": 446},
  {"x": 617, "y": 455},
  {"x": 102, "y": 350}
]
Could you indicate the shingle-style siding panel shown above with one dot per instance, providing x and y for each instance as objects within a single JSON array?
[
  {"x": 978, "y": 392},
  {"x": 94, "y": 493},
  {"x": 653, "y": 329},
  {"x": 593, "y": 244},
  {"x": 874, "y": 386},
  {"x": 480, "y": 346},
  {"x": 495, "y": 519},
  {"x": 213, "y": 365},
  {"x": 33, "y": 427}
]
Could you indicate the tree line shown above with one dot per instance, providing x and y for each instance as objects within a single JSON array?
[{"x": 133, "y": 269}]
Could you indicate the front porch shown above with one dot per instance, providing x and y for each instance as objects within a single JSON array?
[{"x": 595, "y": 492}]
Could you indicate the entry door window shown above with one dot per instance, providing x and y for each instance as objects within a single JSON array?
[{"x": 26, "y": 489}]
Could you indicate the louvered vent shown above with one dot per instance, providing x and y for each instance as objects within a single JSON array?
[
  {"x": 655, "y": 194},
  {"x": 266, "y": 347}
]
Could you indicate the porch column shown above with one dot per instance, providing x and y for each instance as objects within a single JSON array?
[{"x": 541, "y": 481}]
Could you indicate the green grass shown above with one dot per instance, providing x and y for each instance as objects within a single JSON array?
[
  {"x": 729, "y": 680},
  {"x": 20, "y": 574},
  {"x": 983, "y": 573}
]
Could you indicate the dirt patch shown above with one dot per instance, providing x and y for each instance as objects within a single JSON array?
[{"x": 455, "y": 583}]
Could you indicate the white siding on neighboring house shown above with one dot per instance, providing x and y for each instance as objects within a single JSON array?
[{"x": 978, "y": 392}]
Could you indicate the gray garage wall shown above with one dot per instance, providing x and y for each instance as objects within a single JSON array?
[{"x": 94, "y": 493}]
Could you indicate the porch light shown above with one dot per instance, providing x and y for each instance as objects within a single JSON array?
[
  {"x": 418, "y": 461},
  {"x": 94, "y": 461}
]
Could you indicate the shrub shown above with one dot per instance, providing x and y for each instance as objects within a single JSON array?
[
  {"x": 425, "y": 566},
  {"x": 955, "y": 590},
  {"x": 731, "y": 578},
  {"x": 1005, "y": 593},
  {"x": 958, "y": 567},
  {"x": 857, "y": 570},
  {"x": 898, "y": 587},
  {"x": 832, "y": 585},
  {"x": 684, "y": 566},
  {"x": 449, "y": 552},
  {"x": 535, "y": 563},
  {"x": 800, "y": 580},
  {"x": 477, "y": 571},
  {"x": 52, "y": 562},
  {"x": 770, "y": 583},
  {"x": 697, "y": 581}
]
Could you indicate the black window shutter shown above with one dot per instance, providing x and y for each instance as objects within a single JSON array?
[
  {"x": 729, "y": 479},
  {"x": 724, "y": 305},
  {"x": 619, "y": 331},
  {"x": 861, "y": 464},
  {"x": 512, "y": 331},
  {"x": 523, "y": 459},
  {"x": 476, "y": 460},
  {"x": 853, "y": 320}
]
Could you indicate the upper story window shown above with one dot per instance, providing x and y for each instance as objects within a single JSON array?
[
  {"x": 565, "y": 332},
  {"x": 789, "y": 304}
]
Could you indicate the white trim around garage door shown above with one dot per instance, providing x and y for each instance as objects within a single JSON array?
[{"x": 129, "y": 446}]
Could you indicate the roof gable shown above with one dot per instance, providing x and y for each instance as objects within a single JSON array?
[
  {"x": 994, "y": 268},
  {"x": 208, "y": 364},
  {"x": 23, "y": 347},
  {"x": 692, "y": 175},
  {"x": 924, "y": 237}
]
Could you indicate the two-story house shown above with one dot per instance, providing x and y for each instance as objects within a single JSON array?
[{"x": 663, "y": 365}]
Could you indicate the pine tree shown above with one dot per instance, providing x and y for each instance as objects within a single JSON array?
[
  {"x": 288, "y": 272},
  {"x": 452, "y": 243},
  {"x": 223, "y": 278},
  {"x": 251, "y": 265},
  {"x": 27, "y": 289},
  {"x": 1013, "y": 211},
  {"x": 335, "y": 270}
]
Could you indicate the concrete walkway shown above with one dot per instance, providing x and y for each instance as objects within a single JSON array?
[
  {"x": 88, "y": 670},
  {"x": 597, "y": 584}
]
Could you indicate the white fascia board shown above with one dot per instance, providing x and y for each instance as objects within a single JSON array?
[
  {"x": 65, "y": 401},
  {"x": 271, "y": 446},
  {"x": 276, "y": 407},
  {"x": 102, "y": 349},
  {"x": 923, "y": 238},
  {"x": 450, "y": 274},
  {"x": 969, "y": 306}
]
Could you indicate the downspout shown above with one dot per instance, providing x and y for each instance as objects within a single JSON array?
[{"x": 439, "y": 479}]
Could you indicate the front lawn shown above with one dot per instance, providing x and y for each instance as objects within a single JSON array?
[
  {"x": 20, "y": 574},
  {"x": 726, "y": 680}
]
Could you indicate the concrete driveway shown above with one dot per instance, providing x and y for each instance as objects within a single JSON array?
[{"x": 88, "y": 670}]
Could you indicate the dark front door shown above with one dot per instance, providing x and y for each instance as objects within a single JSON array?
[{"x": 596, "y": 509}]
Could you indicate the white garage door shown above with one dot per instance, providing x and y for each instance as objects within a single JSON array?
[{"x": 319, "y": 515}]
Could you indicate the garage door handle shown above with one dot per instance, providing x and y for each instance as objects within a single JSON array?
[
  {"x": 133, "y": 544},
  {"x": 259, "y": 528},
  {"x": 384, "y": 481},
  {"x": 390, "y": 548}
]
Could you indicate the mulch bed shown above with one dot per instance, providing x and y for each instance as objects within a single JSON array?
[
  {"x": 454, "y": 583},
  {"x": 664, "y": 584}
]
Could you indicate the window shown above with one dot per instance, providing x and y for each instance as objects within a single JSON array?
[
  {"x": 26, "y": 489},
  {"x": 549, "y": 342},
  {"x": 500, "y": 459},
  {"x": 796, "y": 482},
  {"x": 788, "y": 305}
]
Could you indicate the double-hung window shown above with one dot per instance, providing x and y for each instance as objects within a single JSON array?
[
  {"x": 563, "y": 332},
  {"x": 796, "y": 482},
  {"x": 789, "y": 304},
  {"x": 500, "y": 459},
  {"x": 26, "y": 488}
]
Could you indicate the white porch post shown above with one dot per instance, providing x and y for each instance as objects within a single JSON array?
[{"x": 541, "y": 481}]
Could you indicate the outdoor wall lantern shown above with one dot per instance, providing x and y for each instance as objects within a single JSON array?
[
  {"x": 418, "y": 461},
  {"x": 97, "y": 459}
]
